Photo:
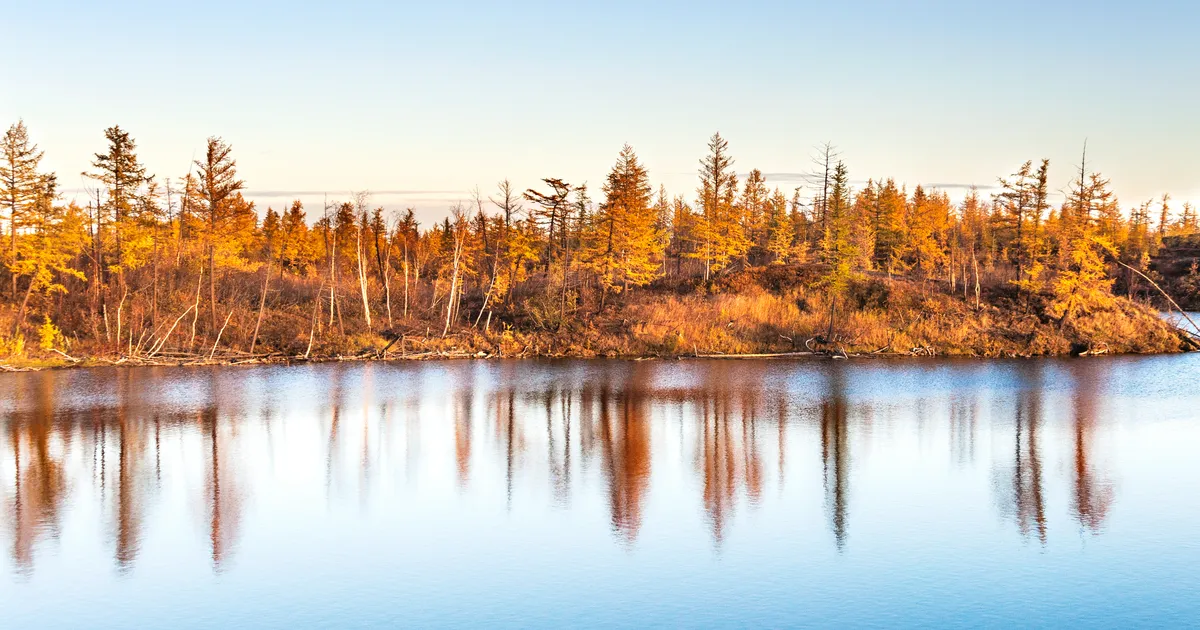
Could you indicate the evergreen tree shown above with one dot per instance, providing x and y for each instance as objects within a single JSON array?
[
  {"x": 19, "y": 183},
  {"x": 123, "y": 177},
  {"x": 780, "y": 232},
  {"x": 887, "y": 220},
  {"x": 54, "y": 240},
  {"x": 1082, "y": 283},
  {"x": 722, "y": 236},
  {"x": 625, "y": 243},
  {"x": 837, "y": 245},
  {"x": 218, "y": 186},
  {"x": 755, "y": 207}
]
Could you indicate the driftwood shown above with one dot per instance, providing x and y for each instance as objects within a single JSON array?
[
  {"x": 758, "y": 355},
  {"x": 219, "y": 333},
  {"x": 1164, "y": 294},
  {"x": 154, "y": 349},
  {"x": 65, "y": 355}
]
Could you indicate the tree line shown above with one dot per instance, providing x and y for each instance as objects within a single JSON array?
[{"x": 154, "y": 265}]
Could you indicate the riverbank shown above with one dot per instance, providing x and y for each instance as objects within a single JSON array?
[{"x": 755, "y": 318}]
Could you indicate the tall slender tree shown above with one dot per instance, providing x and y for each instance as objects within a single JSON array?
[
  {"x": 19, "y": 179},
  {"x": 123, "y": 177},
  {"x": 624, "y": 245},
  {"x": 722, "y": 237},
  {"x": 218, "y": 185}
]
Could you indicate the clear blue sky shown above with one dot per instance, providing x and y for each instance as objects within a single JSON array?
[{"x": 423, "y": 101}]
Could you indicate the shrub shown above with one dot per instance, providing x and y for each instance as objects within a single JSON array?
[{"x": 50, "y": 337}]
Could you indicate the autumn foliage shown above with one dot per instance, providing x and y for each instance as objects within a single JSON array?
[{"x": 189, "y": 269}]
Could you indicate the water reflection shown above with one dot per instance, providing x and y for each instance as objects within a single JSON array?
[
  {"x": 694, "y": 438},
  {"x": 1092, "y": 494}
]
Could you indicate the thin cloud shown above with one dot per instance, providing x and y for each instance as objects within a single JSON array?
[
  {"x": 786, "y": 177},
  {"x": 310, "y": 193},
  {"x": 963, "y": 186}
]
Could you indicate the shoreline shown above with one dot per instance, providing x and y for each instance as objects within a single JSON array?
[{"x": 285, "y": 360}]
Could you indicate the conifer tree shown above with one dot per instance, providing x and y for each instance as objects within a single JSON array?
[
  {"x": 780, "y": 232},
  {"x": 218, "y": 184},
  {"x": 837, "y": 245},
  {"x": 1164, "y": 216},
  {"x": 754, "y": 207},
  {"x": 19, "y": 183},
  {"x": 1082, "y": 284},
  {"x": 55, "y": 238},
  {"x": 887, "y": 220},
  {"x": 123, "y": 176},
  {"x": 625, "y": 244},
  {"x": 923, "y": 219},
  {"x": 1024, "y": 197},
  {"x": 722, "y": 236},
  {"x": 683, "y": 241}
]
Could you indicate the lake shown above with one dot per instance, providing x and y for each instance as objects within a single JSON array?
[{"x": 604, "y": 493}]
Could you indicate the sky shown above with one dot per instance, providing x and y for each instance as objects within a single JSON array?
[{"x": 419, "y": 103}]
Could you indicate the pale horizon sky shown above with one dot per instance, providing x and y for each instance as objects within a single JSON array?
[{"x": 421, "y": 102}]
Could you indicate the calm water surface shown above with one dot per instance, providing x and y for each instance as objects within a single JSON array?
[{"x": 603, "y": 493}]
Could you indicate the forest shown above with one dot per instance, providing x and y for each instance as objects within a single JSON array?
[{"x": 187, "y": 270}]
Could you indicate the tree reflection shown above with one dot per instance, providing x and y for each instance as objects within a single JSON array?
[
  {"x": 1026, "y": 503},
  {"x": 624, "y": 434},
  {"x": 728, "y": 449},
  {"x": 1092, "y": 494},
  {"x": 612, "y": 432},
  {"x": 462, "y": 436},
  {"x": 129, "y": 457},
  {"x": 39, "y": 478},
  {"x": 511, "y": 437},
  {"x": 835, "y": 451}
]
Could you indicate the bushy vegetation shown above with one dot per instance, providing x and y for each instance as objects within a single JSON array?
[{"x": 162, "y": 269}]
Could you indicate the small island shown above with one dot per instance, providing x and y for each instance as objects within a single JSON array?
[{"x": 186, "y": 270}]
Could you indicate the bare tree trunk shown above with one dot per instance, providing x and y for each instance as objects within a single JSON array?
[
  {"x": 120, "y": 305},
  {"x": 450, "y": 302},
  {"x": 362, "y": 276},
  {"x": 313, "y": 327},
  {"x": 486, "y": 297},
  {"x": 262, "y": 304},
  {"x": 219, "y": 333},
  {"x": 154, "y": 286},
  {"x": 975, "y": 264},
  {"x": 24, "y": 304},
  {"x": 562, "y": 308},
  {"x": 196, "y": 309},
  {"x": 405, "y": 280},
  {"x": 386, "y": 272},
  {"x": 161, "y": 342},
  {"x": 832, "y": 315}
]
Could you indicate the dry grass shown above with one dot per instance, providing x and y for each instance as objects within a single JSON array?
[
  {"x": 772, "y": 310},
  {"x": 886, "y": 316}
]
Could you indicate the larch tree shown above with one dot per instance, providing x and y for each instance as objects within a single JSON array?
[
  {"x": 123, "y": 177},
  {"x": 624, "y": 246},
  {"x": 1020, "y": 196},
  {"x": 1082, "y": 283},
  {"x": 754, "y": 209},
  {"x": 887, "y": 220},
  {"x": 837, "y": 244},
  {"x": 780, "y": 235},
  {"x": 19, "y": 183},
  {"x": 218, "y": 183},
  {"x": 361, "y": 226},
  {"x": 722, "y": 236},
  {"x": 553, "y": 209},
  {"x": 1164, "y": 215},
  {"x": 54, "y": 238},
  {"x": 924, "y": 218}
]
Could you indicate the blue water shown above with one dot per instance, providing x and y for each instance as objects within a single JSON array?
[{"x": 604, "y": 493}]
